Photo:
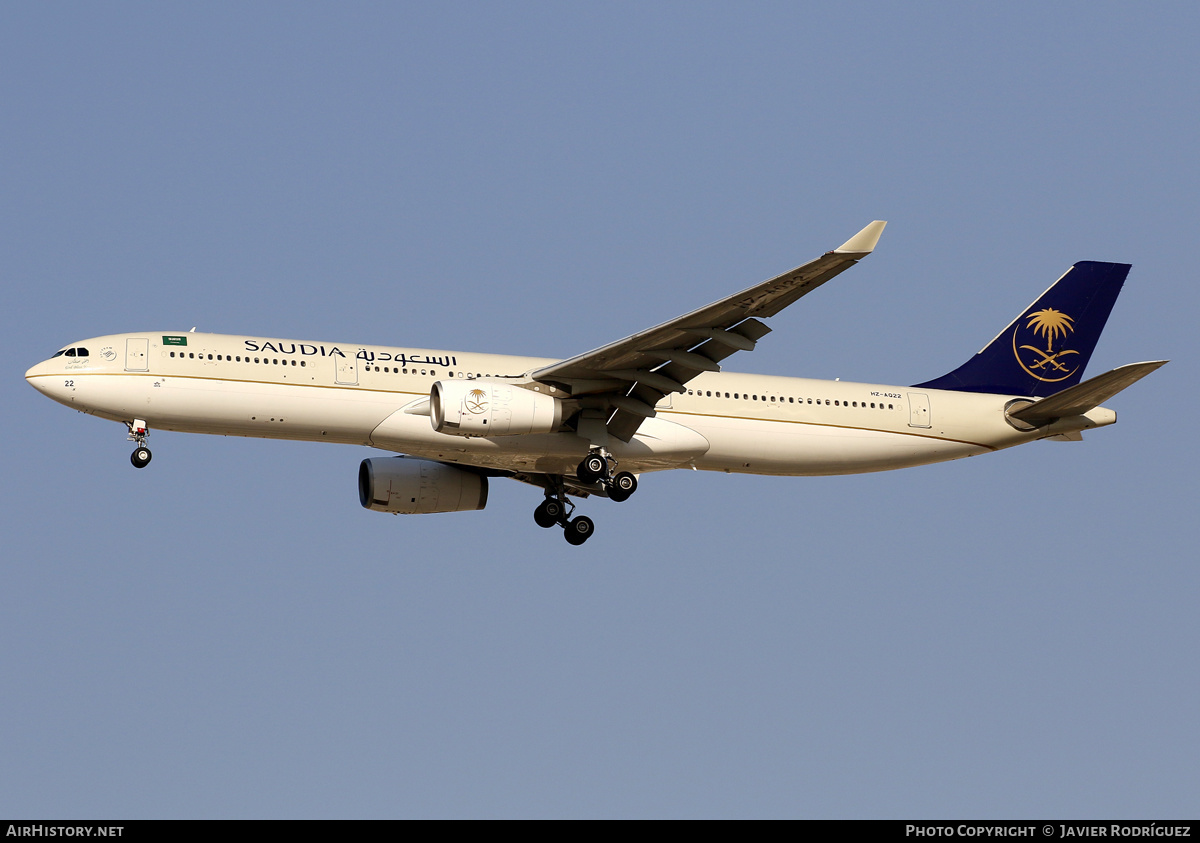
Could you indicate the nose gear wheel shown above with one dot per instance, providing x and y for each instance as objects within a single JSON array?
[{"x": 138, "y": 432}]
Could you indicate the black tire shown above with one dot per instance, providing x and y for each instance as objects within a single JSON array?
[
  {"x": 592, "y": 468},
  {"x": 546, "y": 514},
  {"x": 579, "y": 530},
  {"x": 140, "y": 457},
  {"x": 623, "y": 485}
]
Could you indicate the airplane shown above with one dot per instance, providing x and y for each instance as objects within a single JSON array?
[{"x": 594, "y": 424}]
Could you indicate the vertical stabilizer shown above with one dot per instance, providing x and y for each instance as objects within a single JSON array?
[{"x": 1046, "y": 348}]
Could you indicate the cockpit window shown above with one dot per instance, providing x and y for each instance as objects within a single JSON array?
[{"x": 70, "y": 352}]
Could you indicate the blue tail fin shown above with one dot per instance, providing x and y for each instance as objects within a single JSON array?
[{"x": 1045, "y": 349}]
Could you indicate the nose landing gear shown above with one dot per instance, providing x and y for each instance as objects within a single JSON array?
[{"x": 138, "y": 432}]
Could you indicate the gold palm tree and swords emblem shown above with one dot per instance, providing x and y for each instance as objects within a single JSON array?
[
  {"x": 476, "y": 401},
  {"x": 1046, "y": 364}
]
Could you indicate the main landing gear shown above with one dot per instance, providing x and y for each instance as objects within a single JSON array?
[
  {"x": 556, "y": 509},
  {"x": 138, "y": 432},
  {"x": 597, "y": 467}
]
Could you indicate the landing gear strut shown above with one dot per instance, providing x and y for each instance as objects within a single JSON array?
[
  {"x": 138, "y": 432},
  {"x": 556, "y": 510}
]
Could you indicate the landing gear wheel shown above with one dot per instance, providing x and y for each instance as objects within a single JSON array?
[
  {"x": 140, "y": 457},
  {"x": 548, "y": 513},
  {"x": 592, "y": 468},
  {"x": 579, "y": 530},
  {"x": 623, "y": 485}
]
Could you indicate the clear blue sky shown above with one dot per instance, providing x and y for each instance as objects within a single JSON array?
[{"x": 229, "y": 634}]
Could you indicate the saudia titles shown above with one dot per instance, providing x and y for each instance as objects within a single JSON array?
[
  {"x": 1045, "y": 364},
  {"x": 370, "y": 356}
]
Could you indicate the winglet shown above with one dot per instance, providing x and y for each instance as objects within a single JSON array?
[{"x": 864, "y": 242}]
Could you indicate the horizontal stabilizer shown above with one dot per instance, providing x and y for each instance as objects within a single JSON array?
[{"x": 1079, "y": 399}]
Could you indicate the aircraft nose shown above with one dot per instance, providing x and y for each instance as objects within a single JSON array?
[{"x": 37, "y": 377}]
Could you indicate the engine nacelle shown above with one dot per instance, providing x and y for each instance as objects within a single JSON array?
[
  {"x": 491, "y": 408},
  {"x": 411, "y": 486}
]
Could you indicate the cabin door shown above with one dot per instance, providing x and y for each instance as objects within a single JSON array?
[
  {"x": 137, "y": 355},
  {"x": 347, "y": 370},
  {"x": 918, "y": 410}
]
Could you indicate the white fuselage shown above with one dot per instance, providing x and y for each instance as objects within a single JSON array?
[{"x": 337, "y": 392}]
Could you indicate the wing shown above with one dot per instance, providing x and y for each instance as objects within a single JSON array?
[{"x": 622, "y": 381}]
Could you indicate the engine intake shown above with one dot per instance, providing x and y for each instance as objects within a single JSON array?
[
  {"x": 491, "y": 408},
  {"x": 410, "y": 486}
]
